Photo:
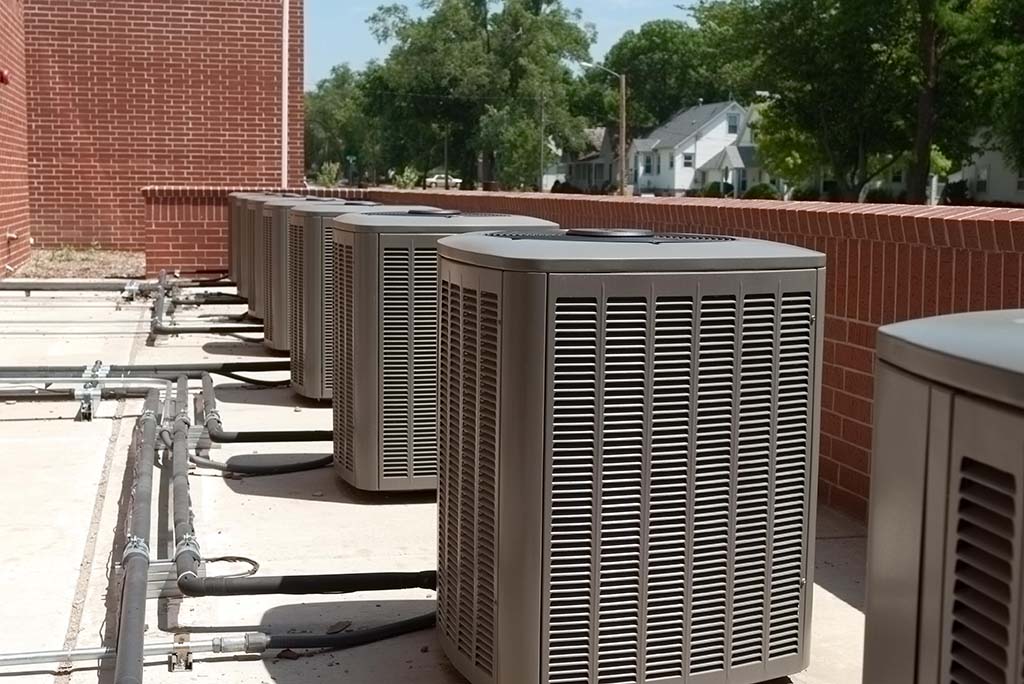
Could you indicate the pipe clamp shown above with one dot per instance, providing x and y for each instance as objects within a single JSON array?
[
  {"x": 135, "y": 546},
  {"x": 188, "y": 544}
]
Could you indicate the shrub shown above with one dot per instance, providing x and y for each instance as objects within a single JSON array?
[
  {"x": 327, "y": 175},
  {"x": 717, "y": 189},
  {"x": 806, "y": 194},
  {"x": 956, "y": 193},
  {"x": 761, "y": 191},
  {"x": 879, "y": 196},
  {"x": 408, "y": 179}
]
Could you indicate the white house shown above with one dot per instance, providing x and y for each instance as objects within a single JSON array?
[
  {"x": 669, "y": 160},
  {"x": 596, "y": 167},
  {"x": 739, "y": 163},
  {"x": 992, "y": 177}
]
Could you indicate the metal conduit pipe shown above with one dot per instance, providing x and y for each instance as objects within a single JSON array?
[
  {"x": 193, "y": 371},
  {"x": 24, "y": 285},
  {"x": 187, "y": 556},
  {"x": 215, "y": 427},
  {"x": 158, "y": 327},
  {"x": 129, "y": 385},
  {"x": 135, "y": 558}
]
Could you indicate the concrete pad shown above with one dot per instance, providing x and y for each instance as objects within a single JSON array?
[{"x": 300, "y": 523}]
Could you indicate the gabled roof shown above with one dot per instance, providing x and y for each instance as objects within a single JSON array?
[
  {"x": 734, "y": 157},
  {"x": 682, "y": 126}
]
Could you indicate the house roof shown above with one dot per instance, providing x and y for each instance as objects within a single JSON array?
[
  {"x": 734, "y": 157},
  {"x": 682, "y": 126}
]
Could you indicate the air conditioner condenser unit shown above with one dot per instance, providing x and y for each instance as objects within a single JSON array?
[
  {"x": 272, "y": 255},
  {"x": 628, "y": 428},
  {"x": 385, "y": 344},
  {"x": 236, "y": 217},
  {"x": 250, "y": 270},
  {"x": 945, "y": 589},
  {"x": 311, "y": 313}
]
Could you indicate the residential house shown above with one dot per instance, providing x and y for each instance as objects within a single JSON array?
[
  {"x": 992, "y": 177},
  {"x": 739, "y": 164},
  {"x": 669, "y": 160},
  {"x": 595, "y": 169}
]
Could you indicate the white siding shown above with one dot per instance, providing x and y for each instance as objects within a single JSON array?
[{"x": 1002, "y": 183}]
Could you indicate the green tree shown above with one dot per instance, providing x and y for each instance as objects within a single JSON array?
[
  {"x": 1005, "y": 31},
  {"x": 484, "y": 76},
  {"x": 661, "y": 61}
]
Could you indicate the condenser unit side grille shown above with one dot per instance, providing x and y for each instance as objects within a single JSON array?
[
  {"x": 712, "y": 484},
  {"x": 679, "y": 459},
  {"x": 268, "y": 282},
  {"x": 467, "y": 498},
  {"x": 792, "y": 475},
  {"x": 409, "y": 362},
  {"x": 983, "y": 574},
  {"x": 573, "y": 527},
  {"x": 250, "y": 253},
  {"x": 670, "y": 445},
  {"x": 344, "y": 332},
  {"x": 755, "y": 436},
  {"x": 327, "y": 304},
  {"x": 424, "y": 361},
  {"x": 396, "y": 331},
  {"x": 296, "y": 299}
]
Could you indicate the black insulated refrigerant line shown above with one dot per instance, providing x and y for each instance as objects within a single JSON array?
[
  {"x": 187, "y": 557},
  {"x": 215, "y": 427},
  {"x": 135, "y": 558}
]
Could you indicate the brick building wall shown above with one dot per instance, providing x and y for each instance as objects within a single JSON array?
[
  {"x": 14, "y": 197},
  {"x": 129, "y": 93},
  {"x": 886, "y": 263}
]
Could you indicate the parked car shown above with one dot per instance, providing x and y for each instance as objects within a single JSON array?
[{"x": 438, "y": 181}]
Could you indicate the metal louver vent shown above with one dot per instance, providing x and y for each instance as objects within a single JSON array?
[
  {"x": 983, "y": 575},
  {"x": 409, "y": 362},
  {"x": 268, "y": 283},
  {"x": 671, "y": 553},
  {"x": 326, "y": 272},
  {"x": 467, "y": 501},
  {"x": 792, "y": 476},
  {"x": 296, "y": 305},
  {"x": 249, "y": 270},
  {"x": 344, "y": 344}
]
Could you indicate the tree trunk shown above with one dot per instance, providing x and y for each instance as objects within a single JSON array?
[{"x": 921, "y": 155}]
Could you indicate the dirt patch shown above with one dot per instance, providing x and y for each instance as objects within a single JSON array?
[{"x": 74, "y": 262}]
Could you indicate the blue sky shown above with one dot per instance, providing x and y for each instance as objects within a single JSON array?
[{"x": 336, "y": 29}]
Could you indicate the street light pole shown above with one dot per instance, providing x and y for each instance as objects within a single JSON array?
[{"x": 623, "y": 166}]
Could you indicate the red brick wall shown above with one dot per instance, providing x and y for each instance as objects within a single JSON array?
[
  {"x": 885, "y": 263},
  {"x": 186, "y": 227},
  {"x": 14, "y": 206},
  {"x": 129, "y": 93}
]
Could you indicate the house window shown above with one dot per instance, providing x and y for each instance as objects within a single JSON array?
[
  {"x": 982, "y": 184},
  {"x": 647, "y": 163},
  {"x": 1020, "y": 181},
  {"x": 671, "y": 160},
  {"x": 734, "y": 123},
  {"x": 897, "y": 176},
  {"x": 687, "y": 160},
  {"x": 658, "y": 155},
  {"x": 599, "y": 173}
]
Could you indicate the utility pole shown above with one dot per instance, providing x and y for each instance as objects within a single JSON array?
[
  {"x": 447, "y": 132},
  {"x": 623, "y": 166},
  {"x": 543, "y": 142}
]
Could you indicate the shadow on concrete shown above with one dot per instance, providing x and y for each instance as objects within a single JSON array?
[
  {"x": 841, "y": 557},
  {"x": 241, "y": 346},
  {"x": 240, "y": 393},
  {"x": 322, "y": 485}
]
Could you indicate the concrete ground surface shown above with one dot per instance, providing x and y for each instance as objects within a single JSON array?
[{"x": 65, "y": 490}]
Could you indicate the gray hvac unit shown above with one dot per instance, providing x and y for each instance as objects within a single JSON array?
[
  {"x": 628, "y": 434},
  {"x": 272, "y": 255},
  {"x": 945, "y": 593},
  {"x": 385, "y": 345},
  {"x": 311, "y": 294},
  {"x": 249, "y": 248},
  {"x": 236, "y": 216}
]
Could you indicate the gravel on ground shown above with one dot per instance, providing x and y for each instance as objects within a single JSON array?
[{"x": 87, "y": 262}]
